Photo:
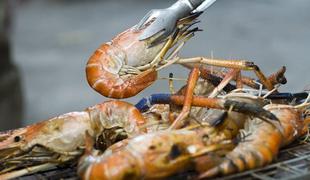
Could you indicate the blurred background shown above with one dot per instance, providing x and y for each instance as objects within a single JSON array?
[{"x": 45, "y": 44}]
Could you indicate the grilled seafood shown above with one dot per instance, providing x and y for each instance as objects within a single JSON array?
[
  {"x": 209, "y": 148},
  {"x": 125, "y": 66},
  {"x": 165, "y": 153},
  {"x": 61, "y": 139},
  {"x": 262, "y": 141},
  {"x": 154, "y": 155}
]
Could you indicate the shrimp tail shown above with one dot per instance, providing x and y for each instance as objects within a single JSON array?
[
  {"x": 140, "y": 82},
  {"x": 102, "y": 77},
  {"x": 128, "y": 88}
]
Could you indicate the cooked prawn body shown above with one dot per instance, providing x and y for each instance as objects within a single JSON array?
[
  {"x": 151, "y": 156},
  {"x": 234, "y": 142},
  {"x": 163, "y": 153},
  {"x": 111, "y": 69},
  {"x": 61, "y": 139},
  {"x": 262, "y": 141}
]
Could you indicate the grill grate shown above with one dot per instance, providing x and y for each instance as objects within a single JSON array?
[
  {"x": 59, "y": 173},
  {"x": 293, "y": 163}
]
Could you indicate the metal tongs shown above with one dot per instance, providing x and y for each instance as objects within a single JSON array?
[{"x": 163, "y": 21}]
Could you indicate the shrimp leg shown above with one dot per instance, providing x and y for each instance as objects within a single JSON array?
[
  {"x": 235, "y": 64},
  {"x": 212, "y": 75},
  {"x": 229, "y": 76},
  {"x": 192, "y": 80}
]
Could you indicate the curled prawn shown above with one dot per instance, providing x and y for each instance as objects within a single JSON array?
[
  {"x": 105, "y": 66},
  {"x": 262, "y": 141},
  {"x": 125, "y": 66},
  {"x": 61, "y": 139}
]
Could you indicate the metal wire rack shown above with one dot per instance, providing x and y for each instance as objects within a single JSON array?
[
  {"x": 292, "y": 163},
  {"x": 54, "y": 174}
]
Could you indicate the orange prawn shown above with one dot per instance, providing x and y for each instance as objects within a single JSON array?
[
  {"x": 262, "y": 141},
  {"x": 125, "y": 66},
  {"x": 165, "y": 153},
  {"x": 61, "y": 139}
]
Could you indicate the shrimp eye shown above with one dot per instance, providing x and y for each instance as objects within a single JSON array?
[
  {"x": 152, "y": 147},
  {"x": 175, "y": 152},
  {"x": 17, "y": 138}
]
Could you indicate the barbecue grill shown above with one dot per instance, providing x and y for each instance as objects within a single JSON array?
[{"x": 292, "y": 163}]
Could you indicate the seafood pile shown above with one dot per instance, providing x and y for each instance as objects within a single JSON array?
[{"x": 219, "y": 123}]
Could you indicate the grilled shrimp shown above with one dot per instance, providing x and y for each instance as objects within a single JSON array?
[
  {"x": 125, "y": 66},
  {"x": 153, "y": 155},
  {"x": 262, "y": 141},
  {"x": 165, "y": 153},
  {"x": 106, "y": 69},
  {"x": 61, "y": 139}
]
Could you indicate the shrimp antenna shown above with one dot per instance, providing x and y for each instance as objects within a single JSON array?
[
  {"x": 272, "y": 91},
  {"x": 255, "y": 92},
  {"x": 260, "y": 88}
]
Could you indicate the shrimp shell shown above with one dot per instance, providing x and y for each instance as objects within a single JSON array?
[
  {"x": 164, "y": 153},
  {"x": 61, "y": 139},
  {"x": 262, "y": 142},
  {"x": 104, "y": 67}
]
